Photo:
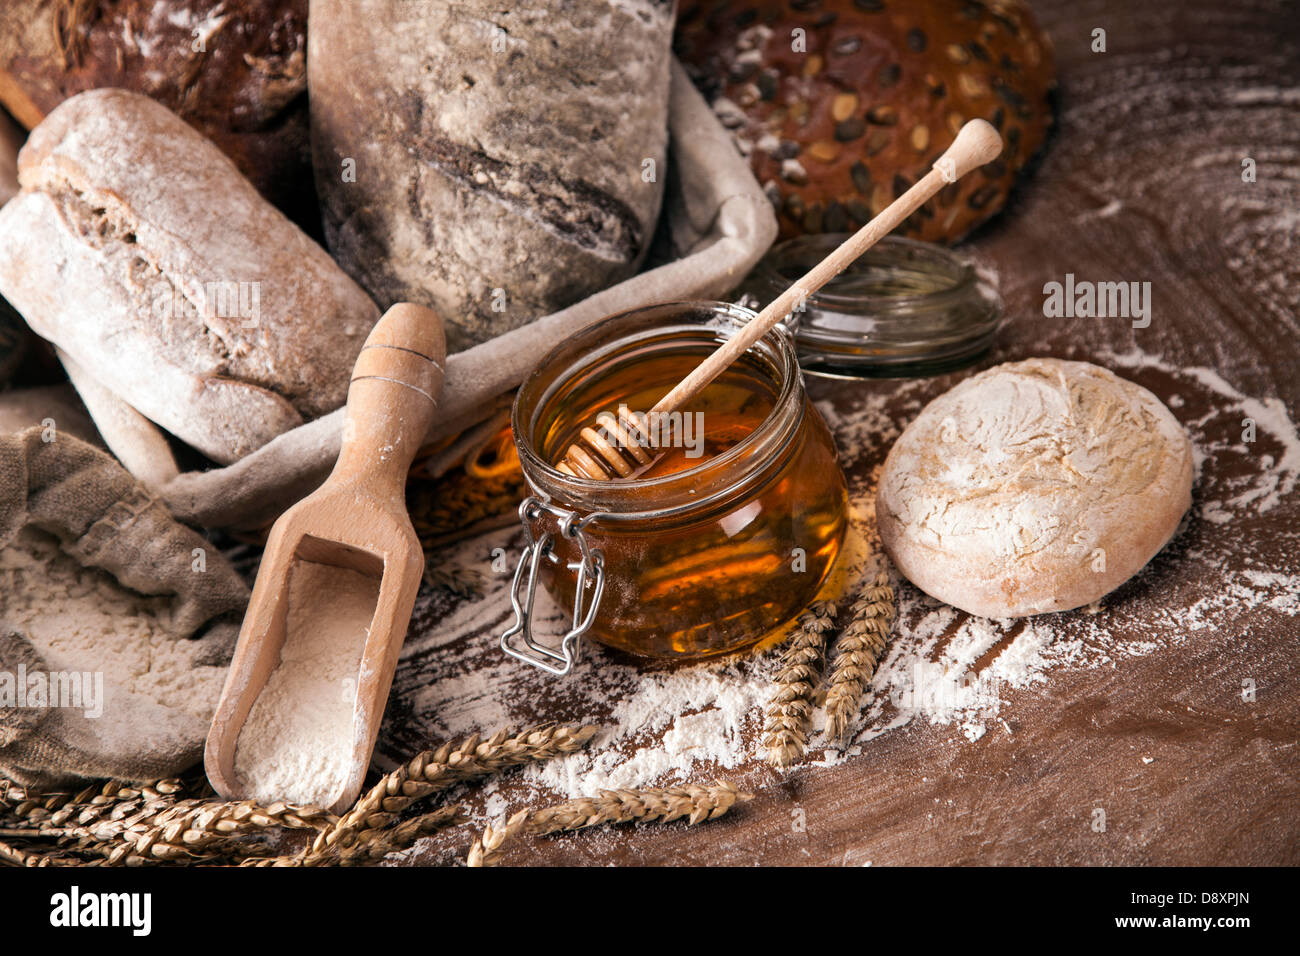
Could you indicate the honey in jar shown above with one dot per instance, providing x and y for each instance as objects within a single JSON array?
[{"x": 726, "y": 536}]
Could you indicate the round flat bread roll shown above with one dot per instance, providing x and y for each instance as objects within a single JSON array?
[{"x": 1034, "y": 486}]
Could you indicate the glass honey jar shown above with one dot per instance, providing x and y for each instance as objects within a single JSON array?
[{"x": 724, "y": 538}]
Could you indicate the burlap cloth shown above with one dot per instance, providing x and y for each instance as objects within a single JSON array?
[{"x": 105, "y": 519}]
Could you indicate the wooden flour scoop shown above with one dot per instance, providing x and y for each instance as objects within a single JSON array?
[
  {"x": 616, "y": 447},
  {"x": 356, "y": 520}
]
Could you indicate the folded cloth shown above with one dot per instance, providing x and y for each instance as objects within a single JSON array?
[
  {"x": 719, "y": 224},
  {"x": 116, "y": 621}
]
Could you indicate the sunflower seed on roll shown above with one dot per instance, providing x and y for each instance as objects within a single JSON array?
[{"x": 841, "y": 105}]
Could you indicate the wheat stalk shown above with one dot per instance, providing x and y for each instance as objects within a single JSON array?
[
  {"x": 857, "y": 654},
  {"x": 374, "y": 845},
  {"x": 791, "y": 706},
  {"x": 691, "y": 801},
  {"x": 17, "y": 856},
  {"x": 69, "y": 18},
  {"x": 662, "y": 805},
  {"x": 370, "y": 846},
  {"x": 185, "y": 831},
  {"x": 121, "y": 824},
  {"x": 94, "y": 802},
  {"x": 439, "y": 769},
  {"x": 488, "y": 849}
]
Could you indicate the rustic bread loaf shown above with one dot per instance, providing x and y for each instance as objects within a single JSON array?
[
  {"x": 491, "y": 161},
  {"x": 1034, "y": 486},
  {"x": 138, "y": 248},
  {"x": 841, "y": 105},
  {"x": 233, "y": 69}
]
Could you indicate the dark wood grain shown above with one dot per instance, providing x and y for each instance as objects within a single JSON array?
[{"x": 1141, "y": 183}]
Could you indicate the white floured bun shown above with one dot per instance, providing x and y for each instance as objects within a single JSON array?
[{"x": 1034, "y": 486}]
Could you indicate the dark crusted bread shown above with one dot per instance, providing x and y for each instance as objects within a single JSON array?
[
  {"x": 839, "y": 119},
  {"x": 233, "y": 69},
  {"x": 501, "y": 152}
]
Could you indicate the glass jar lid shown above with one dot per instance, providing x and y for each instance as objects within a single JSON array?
[{"x": 904, "y": 308}]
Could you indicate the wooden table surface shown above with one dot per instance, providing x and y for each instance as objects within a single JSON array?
[{"x": 1142, "y": 182}]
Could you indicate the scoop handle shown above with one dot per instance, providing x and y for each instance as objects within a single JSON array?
[{"x": 392, "y": 398}]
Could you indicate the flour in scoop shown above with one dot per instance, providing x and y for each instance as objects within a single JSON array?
[{"x": 296, "y": 745}]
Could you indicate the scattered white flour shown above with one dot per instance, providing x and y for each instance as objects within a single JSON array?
[
  {"x": 297, "y": 743},
  {"x": 1274, "y": 476},
  {"x": 664, "y": 725},
  {"x": 81, "y": 620},
  {"x": 674, "y": 720}
]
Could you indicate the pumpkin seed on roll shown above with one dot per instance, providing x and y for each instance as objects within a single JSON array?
[{"x": 841, "y": 105}]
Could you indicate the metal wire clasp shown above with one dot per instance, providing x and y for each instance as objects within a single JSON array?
[{"x": 590, "y": 573}]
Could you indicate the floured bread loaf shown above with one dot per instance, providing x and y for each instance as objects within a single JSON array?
[
  {"x": 1034, "y": 486},
  {"x": 138, "y": 249},
  {"x": 494, "y": 161}
]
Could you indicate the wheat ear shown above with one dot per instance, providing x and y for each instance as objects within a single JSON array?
[
  {"x": 133, "y": 824},
  {"x": 375, "y": 845},
  {"x": 436, "y": 770},
  {"x": 791, "y": 706},
  {"x": 661, "y": 805},
  {"x": 119, "y": 824},
  {"x": 99, "y": 800},
  {"x": 654, "y": 805},
  {"x": 488, "y": 849},
  {"x": 17, "y": 856},
  {"x": 183, "y": 831},
  {"x": 857, "y": 654},
  {"x": 371, "y": 846}
]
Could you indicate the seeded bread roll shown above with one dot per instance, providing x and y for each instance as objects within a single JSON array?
[
  {"x": 233, "y": 69},
  {"x": 841, "y": 118},
  {"x": 494, "y": 161},
  {"x": 138, "y": 249},
  {"x": 1034, "y": 486}
]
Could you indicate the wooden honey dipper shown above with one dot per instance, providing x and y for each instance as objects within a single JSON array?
[{"x": 594, "y": 456}]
